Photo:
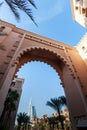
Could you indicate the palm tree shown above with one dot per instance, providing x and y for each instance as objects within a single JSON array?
[
  {"x": 23, "y": 121},
  {"x": 19, "y": 120},
  {"x": 9, "y": 106},
  {"x": 23, "y": 5},
  {"x": 27, "y": 122},
  {"x": 3, "y": 127},
  {"x": 51, "y": 121},
  {"x": 57, "y": 104}
]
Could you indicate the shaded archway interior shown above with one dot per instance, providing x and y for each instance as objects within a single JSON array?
[{"x": 42, "y": 55}]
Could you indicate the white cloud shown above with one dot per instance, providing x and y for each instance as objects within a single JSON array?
[{"x": 50, "y": 12}]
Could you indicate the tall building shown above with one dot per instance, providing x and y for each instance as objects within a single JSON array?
[
  {"x": 82, "y": 48},
  {"x": 16, "y": 84},
  {"x": 32, "y": 111},
  {"x": 79, "y": 11}
]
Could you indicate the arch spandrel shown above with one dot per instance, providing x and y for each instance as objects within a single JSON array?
[{"x": 45, "y": 43}]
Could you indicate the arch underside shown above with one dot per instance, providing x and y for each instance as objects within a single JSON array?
[{"x": 42, "y": 55}]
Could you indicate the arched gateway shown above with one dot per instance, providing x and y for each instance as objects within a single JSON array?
[{"x": 18, "y": 46}]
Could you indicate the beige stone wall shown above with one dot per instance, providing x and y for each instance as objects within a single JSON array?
[
  {"x": 82, "y": 48},
  {"x": 21, "y": 46},
  {"x": 79, "y": 11},
  {"x": 16, "y": 85}
]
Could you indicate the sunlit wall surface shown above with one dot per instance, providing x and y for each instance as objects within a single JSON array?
[
  {"x": 79, "y": 11},
  {"x": 82, "y": 48}
]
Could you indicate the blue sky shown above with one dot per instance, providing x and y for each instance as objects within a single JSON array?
[{"x": 54, "y": 19}]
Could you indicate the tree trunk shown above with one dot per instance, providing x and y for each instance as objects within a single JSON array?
[{"x": 60, "y": 119}]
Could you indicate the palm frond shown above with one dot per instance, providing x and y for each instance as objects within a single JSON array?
[
  {"x": 13, "y": 8},
  {"x": 63, "y": 100},
  {"x": 1, "y": 3},
  {"x": 54, "y": 104},
  {"x": 24, "y": 6},
  {"x": 32, "y": 2},
  {"x": 51, "y": 105},
  {"x": 57, "y": 103}
]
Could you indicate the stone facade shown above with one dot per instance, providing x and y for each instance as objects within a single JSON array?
[
  {"x": 82, "y": 48},
  {"x": 18, "y": 47},
  {"x": 16, "y": 84},
  {"x": 79, "y": 11}
]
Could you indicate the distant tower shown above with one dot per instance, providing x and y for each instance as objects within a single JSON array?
[
  {"x": 79, "y": 11},
  {"x": 32, "y": 111}
]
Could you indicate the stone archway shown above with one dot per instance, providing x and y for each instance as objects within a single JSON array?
[{"x": 21, "y": 46}]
